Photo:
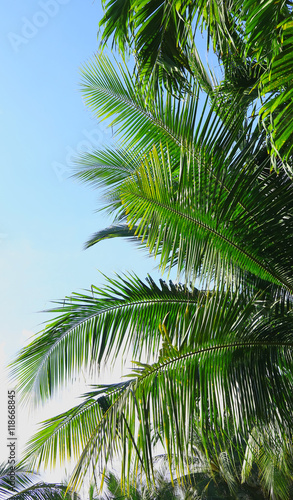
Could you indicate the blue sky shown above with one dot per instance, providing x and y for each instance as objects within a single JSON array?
[{"x": 45, "y": 216}]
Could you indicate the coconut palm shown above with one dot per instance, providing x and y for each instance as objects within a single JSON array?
[
  {"x": 194, "y": 187},
  {"x": 164, "y": 489},
  {"x": 252, "y": 39},
  {"x": 19, "y": 483}
]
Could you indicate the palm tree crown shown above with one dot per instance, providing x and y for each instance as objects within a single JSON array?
[{"x": 195, "y": 185}]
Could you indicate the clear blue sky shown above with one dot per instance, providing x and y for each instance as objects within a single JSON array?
[{"x": 45, "y": 217}]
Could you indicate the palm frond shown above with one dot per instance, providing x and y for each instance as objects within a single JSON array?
[
  {"x": 43, "y": 491},
  {"x": 276, "y": 112},
  {"x": 22, "y": 478},
  {"x": 114, "y": 231},
  {"x": 159, "y": 30},
  {"x": 143, "y": 122},
  {"x": 108, "y": 167},
  {"x": 110, "y": 92},
  {"x": 117, "y": 20},
  {"x": 167, "y": 117},
  {"x": 269, "y": 39},
  {"x": 194, "y": 223},
  {"x": 229, "y": 382},
  {"x": 274, "y": 468},
  {"x": 19, "y": 483},
  {"x": 64, "y": 436},
  {"x": 203, "y": 75},
  {"x": 178, "y": 123},
  {"x": 161, "y": 35},
  {"x": 91, "y": 328}
]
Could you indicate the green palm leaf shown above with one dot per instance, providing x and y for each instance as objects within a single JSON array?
[
  {"x": 269, "y": 41},
  {"x": 161, "y": 35},
  {"x": 160, "y": 32},
  {"x": 64, "y": 436},
  {"x": 231, "y": 380},
  {"x": 193, "y": 222},
  {"x": 114, "y": 231},
  {"x": 253, "y": 40},
  {"x": 142, "y": 122},
  {"x": 225, "y": 374},
  {"x": 178, "y": 123},
  {"x": 277, "y": 110},
  {"x": 24, "y": 486},
  {"x": 275, "y": 467},
  {"x": 234, "y": 200},
  {"x": 108, "y": 167},
  {"x": 110, "y": 92},
  {"x": 92, "y": 328}
]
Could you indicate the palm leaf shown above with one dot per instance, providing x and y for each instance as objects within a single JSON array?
[
  {"x": 110, "y": 92},
  {"x": 277, "y": 110},
  {"x": 275, "y": 467},
  {"x": 269, "y": 38},
  {"x": 64, "y": 436},
  {"x": 23, "y": 486},
  {"x": 42, "y": 491},
  {"x": 142, "y": 122},
  {"x": 178, "y": 123},
  {"x": 160, "y": 30},
  {"x": 108, "y": 167},
  {"x": 174, "y": 118},
  {"x": 23, "y": 478},
  {"x": 117, "y": 21},
  {"x": 92, "y": 328},
  {"x": 114, "y": 231},
  {"x": 229, "y": 381},
  {"x": 217, "y": 222},
  {"x": 161, "y": 35}
]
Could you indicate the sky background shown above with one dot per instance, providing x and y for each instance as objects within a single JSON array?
[{"x": 46, "y": 216}]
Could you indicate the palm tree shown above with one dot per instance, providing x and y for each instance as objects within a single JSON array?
[
  {"x": 208, "y": 480},
  {"x": 21, "y": 484},
  {"x": 196, "y": 189},
  {"x": 252, "y": 39}
]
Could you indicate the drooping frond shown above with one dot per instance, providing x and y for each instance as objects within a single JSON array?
[
  {"x": 114, "y": 231},
  {"x": 220, "y": 374},
  {"x": 219, "y": 389},
  {"x": 64, "y": 436},
  {"x": 160, "y": 33},
  {"x": 274, "y": 468},
  {"x": 22, "y": 478},
  {"x": 91, "y": 328},
  {"x": 268, "y": 44},
  {"x": 253, "y": 41},
  {"x": 43, "y": 491},
  {"x": 276, "y": 112}
]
